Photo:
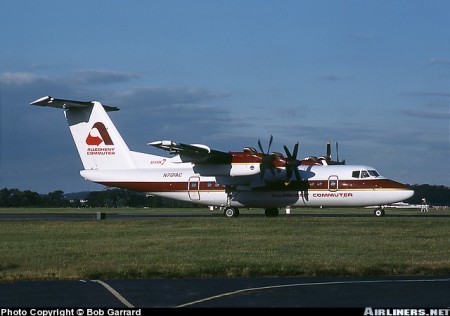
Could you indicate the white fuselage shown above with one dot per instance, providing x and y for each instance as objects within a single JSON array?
[{"x": 329, "y": 186}]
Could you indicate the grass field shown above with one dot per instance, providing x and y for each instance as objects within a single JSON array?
[{"x": 178, "y": 247}]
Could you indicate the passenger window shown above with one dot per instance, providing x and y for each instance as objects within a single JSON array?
[{"x": 355, "y": 174}]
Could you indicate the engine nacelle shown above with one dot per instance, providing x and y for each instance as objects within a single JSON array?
[
  {"x": 233, "y": 170},
  {"x": 245, "y": 169}
]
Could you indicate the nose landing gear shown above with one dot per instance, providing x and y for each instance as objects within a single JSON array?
[{"x": 379, "y": 212}]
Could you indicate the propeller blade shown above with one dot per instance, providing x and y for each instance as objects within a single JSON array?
[
  {"x": 294, "y": 154},
  {"x": 268, "y": 148},
  {"x": 297, "y": 174},
  {"x": 286, "y": 150},
  {"x": 337, "y": 152},
  {"x": 288, "y": 176},
  {"x": 270, "y": 143},
  {"x": 260, "y": 146},
  {"x": 329, "y": 151}
]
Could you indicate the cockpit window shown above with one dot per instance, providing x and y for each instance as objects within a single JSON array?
[
  {"x": 374, "y": 173},
  {"x": 365, "y": 174}
]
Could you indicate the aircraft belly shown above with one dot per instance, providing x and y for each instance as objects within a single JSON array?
[
  {"x": 267, "y": 199},
  {"x": 317, "y": 198},
  {"x": 216, "y": 198},
  {"x": 349, "y": 198}
]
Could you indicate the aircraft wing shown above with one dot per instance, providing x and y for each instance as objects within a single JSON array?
[{"x": 197, "y": 153}]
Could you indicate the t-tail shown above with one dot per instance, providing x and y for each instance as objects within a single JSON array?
[{"x": 99, "y": 143}]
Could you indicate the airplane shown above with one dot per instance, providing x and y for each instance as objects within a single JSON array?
[{"x": 225, "y": 180}]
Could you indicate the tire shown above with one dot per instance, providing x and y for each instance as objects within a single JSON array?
[
  {"x": 271, "y": 212},
  {"x": 379, "y": 212},
  {"x": 230, "y": 212}
]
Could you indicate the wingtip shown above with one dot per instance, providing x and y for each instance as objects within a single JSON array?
[{"x": 42, "y": 100}]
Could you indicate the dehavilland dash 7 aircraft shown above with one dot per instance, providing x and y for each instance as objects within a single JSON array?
[{"x": 228, "y": 180}]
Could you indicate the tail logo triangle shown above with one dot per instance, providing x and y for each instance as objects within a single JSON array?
[{"x": 98, "y": 134}]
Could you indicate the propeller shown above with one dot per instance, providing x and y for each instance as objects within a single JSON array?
[
  {"x": 337, "y": 156},
  {"x": 268, "y": 148},
  {"x": 292, "y": 163},
  {"x": 267, "y": 159},
  {"x": 292, "y": 167},
  {"x": 328, "y": 158}
]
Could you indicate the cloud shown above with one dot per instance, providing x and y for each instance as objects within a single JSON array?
[
  {"x": 17, "y": 78},
  {"x": 78, "y": 78},
  {"x": 335, "y": 78},
  {"x": 362, "y": 36},
  {"x": 289, "y": 112},
  {"x": 101, "y": 76},
  {"x": 428, "y": 94},
  {"x": 438, "y": 61},
  {"x": 164, "y": 96},
  {"x": 186, "y": 114},
  {"x": 435, "y": 110},
  {"x": 427, "y": 114}
]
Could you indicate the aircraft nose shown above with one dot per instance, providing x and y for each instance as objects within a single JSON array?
[
  {"x": 403, "y": 190},
  {"x": 407, "y": 194}
]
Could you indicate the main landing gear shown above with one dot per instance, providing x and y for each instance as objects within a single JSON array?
[
  {"x": 228, "y": 210},
  {"x": 272, "y": 212},
  {"x": 231, "y": 211},
  {"x": 379, "y": 212}
]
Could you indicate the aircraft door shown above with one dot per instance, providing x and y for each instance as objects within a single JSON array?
[
  {"x": 194, "y": 188},
  {"x": 333, "y": 183}
]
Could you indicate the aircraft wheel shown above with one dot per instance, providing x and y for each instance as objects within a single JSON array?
[
  {"x": 379, "y": 212},
  {"x": 231, "y": 212},
  {"x": 271, "y": 212}
]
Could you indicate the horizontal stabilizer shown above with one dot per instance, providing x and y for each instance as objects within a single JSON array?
[{"x": 68, "y": 104}]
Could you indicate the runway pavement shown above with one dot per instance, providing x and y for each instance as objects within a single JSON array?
[{"x": 279, "y": 292}]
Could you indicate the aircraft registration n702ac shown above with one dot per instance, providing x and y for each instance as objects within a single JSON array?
[{"x": 228, "y": 180}]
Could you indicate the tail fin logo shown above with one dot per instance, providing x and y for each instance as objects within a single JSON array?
[{"x": 99, "y": 134}]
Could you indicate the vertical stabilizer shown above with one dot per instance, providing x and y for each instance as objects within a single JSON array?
[{"x": 98, "y": 142}]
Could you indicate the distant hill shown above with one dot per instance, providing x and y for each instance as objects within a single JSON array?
[
  {"x": 76, "y": 195},
  {"x": 434, "y": 194}
]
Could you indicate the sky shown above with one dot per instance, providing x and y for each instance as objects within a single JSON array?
[{"x": 373, "y": 76}]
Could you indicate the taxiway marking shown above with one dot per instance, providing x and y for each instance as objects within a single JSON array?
[{"x": 305, "y": 284}]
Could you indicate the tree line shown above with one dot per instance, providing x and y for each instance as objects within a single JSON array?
[
  {"x": 435, "y": 195},
  {"x": 105, "y": 198}
]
